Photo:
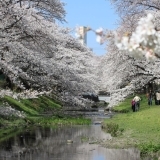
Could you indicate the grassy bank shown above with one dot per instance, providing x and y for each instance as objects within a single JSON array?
[
  {"x": 140, "y": 129},
  {"x": 42, "y": 111}
]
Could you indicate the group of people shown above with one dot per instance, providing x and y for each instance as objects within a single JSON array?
[
  {"x": 150, "y": 96},
  {"x": 155, "y": 96}
]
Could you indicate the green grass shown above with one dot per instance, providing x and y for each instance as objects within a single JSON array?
[
  {"x": 41, "y": 104},
  {"x": 142, "y": 128},
  {"x": 33, "y": 106},
  {"x": 50, "y": 103},
  {"x": 39, "y": 111},
  {"x": 20, "y": 106},
  {"x": 54, "y": 121}
]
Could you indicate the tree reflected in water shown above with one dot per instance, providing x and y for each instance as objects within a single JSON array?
[{"x": 53, "y": 143}]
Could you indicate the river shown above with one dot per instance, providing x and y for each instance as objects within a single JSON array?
[{"x": 64, "y": 143}]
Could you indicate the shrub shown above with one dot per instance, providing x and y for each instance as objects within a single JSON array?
[
  {"x": 112, "y": 128},
  {"x": 149, "y": 148}
]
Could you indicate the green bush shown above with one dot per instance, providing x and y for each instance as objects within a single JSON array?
[
  {"x": 148, "y": 148},
  {"x": 112, "y": 128}
]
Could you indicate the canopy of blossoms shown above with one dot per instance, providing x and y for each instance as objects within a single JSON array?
[
  {"x": 37, "y": 54},
  {"x": 144, "y": 42}
]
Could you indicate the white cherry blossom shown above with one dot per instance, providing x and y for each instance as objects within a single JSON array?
[{"x": 143, "y": 41}]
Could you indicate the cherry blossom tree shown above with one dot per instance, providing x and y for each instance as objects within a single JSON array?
[
  {"x": 129, "y": 62},
  {"x": 131, "y": 48},
  {"x": 123, "y": 75},
  {"x": 133, "y": 7},
  {"x": 144, "y": 42},
  {"x": 37, "y": 54},
  {"x": 140, "y": 27}
]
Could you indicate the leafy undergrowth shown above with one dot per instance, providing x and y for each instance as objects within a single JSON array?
[{"x": 140, "y": 129}]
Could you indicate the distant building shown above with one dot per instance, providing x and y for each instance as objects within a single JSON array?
[{"x": 82, "y": 32}]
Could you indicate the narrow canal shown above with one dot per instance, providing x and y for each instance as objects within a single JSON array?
[{"x": 65, "y": 143}]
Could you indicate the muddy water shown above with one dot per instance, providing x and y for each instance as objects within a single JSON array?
[{"x": 64, "y": 143}]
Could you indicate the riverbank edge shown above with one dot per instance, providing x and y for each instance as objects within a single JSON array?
[
  {"x": 125, "y": 139},
  {"x": 127, "y": 143},
  {"x": 43, "y": 111}
]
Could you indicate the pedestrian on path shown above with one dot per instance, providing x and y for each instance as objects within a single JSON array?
[
  {"x": 133, "y": 105},
  {"x": 137, "y": 102},
  {"x": 150, "y": 97}
]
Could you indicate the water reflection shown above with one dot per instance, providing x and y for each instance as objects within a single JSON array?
[{"x": 51, "y": 144}]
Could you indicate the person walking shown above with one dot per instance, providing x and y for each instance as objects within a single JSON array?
[
  {"x": 137, "y": 102},
  {"x": 133, "y": 105},
  {"x": 150, "y": 97},
  {"x": 158, "y": 98}
]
